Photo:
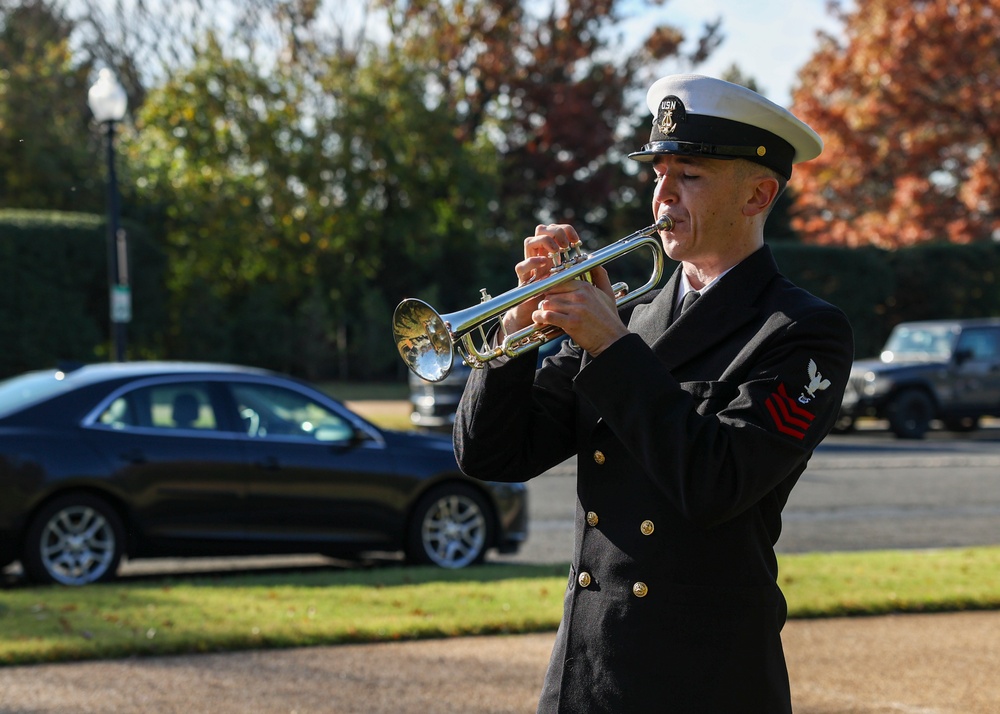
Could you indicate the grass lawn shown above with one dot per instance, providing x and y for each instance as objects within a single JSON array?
[{"x": 216, "y": 613}]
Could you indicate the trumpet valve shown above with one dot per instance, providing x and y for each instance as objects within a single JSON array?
[
  {"x": 567, "y": 258},
  {"x": 564, "y": 254}
]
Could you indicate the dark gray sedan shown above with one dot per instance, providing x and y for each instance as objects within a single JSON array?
[{"x": 174, "y": 459}]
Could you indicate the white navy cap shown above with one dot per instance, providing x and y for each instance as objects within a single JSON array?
[{"x": 709, "y": 117}]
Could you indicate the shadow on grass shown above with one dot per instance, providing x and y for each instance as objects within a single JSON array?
[
  {"x": 373, "y": 572},
  {"x": 384, "y": 575}
]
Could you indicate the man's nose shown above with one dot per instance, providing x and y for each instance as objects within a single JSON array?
[{"x": 665, "y": 191}]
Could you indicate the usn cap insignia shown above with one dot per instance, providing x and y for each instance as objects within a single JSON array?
[{"x": 671, "y": 113}]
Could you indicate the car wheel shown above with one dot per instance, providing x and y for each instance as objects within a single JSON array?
[
  {"x": 77, "y": 539},
  {"x": 910, "y": 415},
  {"x": 452, "y": 526}
]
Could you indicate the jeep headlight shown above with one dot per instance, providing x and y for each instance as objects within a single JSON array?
[{"x": 875, "y": 384}]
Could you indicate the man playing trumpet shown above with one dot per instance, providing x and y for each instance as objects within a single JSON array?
[{"x": 690, "y": 429}]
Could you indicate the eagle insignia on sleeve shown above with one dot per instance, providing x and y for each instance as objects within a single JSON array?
[
  {"x": 788, "y": 413},
  {"x": 816, "y": 381}
]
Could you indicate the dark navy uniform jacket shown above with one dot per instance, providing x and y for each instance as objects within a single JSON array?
[{"x": 690, "y": 434}]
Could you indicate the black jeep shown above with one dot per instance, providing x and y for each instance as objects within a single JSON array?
[{"x": 942, "y": 369}]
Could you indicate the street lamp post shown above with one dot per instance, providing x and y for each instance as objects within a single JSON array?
[{"x": 108, "y": 102}]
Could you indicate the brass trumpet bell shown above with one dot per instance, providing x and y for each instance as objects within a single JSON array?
[{"x": 423, "y": 339}]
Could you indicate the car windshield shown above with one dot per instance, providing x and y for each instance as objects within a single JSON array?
[
  {"x": 923, "y": 343},
  {"x": 26, "y": 389}
]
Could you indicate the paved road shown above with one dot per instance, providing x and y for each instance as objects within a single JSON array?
[{"x": 865, "y": 491}]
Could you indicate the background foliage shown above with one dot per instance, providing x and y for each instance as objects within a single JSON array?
[
  {"x": 907, "y": 107},
  {"x": 47, "y": 152},
  {"x": 300, "y": 167}
]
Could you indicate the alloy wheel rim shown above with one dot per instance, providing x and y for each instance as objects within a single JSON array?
[
  {"x": 77, "y": 546},
  {"x": 454, "y": 532}
]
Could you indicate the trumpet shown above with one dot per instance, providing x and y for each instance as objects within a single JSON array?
[{"x": 427, "y": 340}]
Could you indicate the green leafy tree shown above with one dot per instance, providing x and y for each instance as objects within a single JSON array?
[
  {"x": 207, "y": 153},
  {"x": 409, "y": 201},
  {"x": 49, "y": 156},
  {"x": 286, "y": 201}
]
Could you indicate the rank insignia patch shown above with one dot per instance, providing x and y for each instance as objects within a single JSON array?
[{"x": 788, "y": 416}]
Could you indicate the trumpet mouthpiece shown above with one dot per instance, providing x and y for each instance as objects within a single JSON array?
[{"x": 664, "y": 223}]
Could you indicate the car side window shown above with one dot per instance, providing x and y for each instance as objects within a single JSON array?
[
  {"x": 164, "y": 406},
  {"x": 980, "y": 345},
  {"x": 118, "y": 415},
  {"x": 270, "y": 412}
]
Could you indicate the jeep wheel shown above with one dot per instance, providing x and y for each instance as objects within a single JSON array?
[
  {"x": 961, "y": 424},
  {"x": 910, "y": 415},
  {"x": 843, "y": 425}
]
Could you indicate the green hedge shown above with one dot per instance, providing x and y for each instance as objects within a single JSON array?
[
  {"x": 859, "y": 282},
  {"x": 947, "y": 281},
  {"x": 878, "y": 289},
  {"x": 54, "y": 290}
]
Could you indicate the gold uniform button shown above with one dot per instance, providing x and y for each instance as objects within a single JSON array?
[
  {"x": 646, "y": 528},
  {"x": 591, "y": 518},
  {"x": 584, "y": 579},
  {"x": 640, "y": 589},
  {"x": 599, "y": 458}
]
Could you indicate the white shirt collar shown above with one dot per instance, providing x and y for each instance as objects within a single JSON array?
[{"x": 686, "y": 287}]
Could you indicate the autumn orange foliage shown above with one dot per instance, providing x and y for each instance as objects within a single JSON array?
[{"x": 909, "y": 110}]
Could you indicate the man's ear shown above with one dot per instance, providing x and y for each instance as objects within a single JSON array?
[{"x": 765, "y": 192}]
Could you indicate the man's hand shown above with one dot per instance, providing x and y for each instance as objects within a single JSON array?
[{"x": 585, "y": 311}]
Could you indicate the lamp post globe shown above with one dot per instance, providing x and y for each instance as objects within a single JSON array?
[
  {"x": 107, "y": 98},
  {"x": 108, "y": 101}
]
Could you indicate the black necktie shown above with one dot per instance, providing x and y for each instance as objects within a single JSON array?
[{"x": 689, "y": 297}]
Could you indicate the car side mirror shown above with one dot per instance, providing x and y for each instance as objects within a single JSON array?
[
  {"x": 340, "y": 433},
  {"x": 963, "y": 356}
]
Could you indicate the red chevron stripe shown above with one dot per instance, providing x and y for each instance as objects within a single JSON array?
[
  {"x": 778, "y": 422},
  {"x": 794, "y": 405},
  {"x": 784, "y": 406},
  {"x": 789, "y": 418}
]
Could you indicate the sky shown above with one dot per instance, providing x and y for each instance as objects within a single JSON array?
[{"x": 769, "y": 40}]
